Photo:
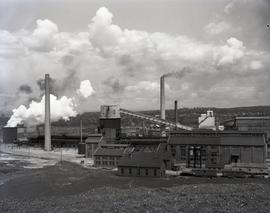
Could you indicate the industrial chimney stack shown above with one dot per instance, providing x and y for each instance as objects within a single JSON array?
[
  {"x": 176, "y": 111},
  {"x": 47, "y": 132},
  {"x": 162, "y": 98}
]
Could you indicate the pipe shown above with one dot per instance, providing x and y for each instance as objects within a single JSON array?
[
  {"x": 47, "y": 114},
  {"x": 162, "y": 98}
]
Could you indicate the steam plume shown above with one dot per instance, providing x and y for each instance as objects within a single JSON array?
[
  {"x": 85, "y": 89},
  {"x": 62, "y": 108}
]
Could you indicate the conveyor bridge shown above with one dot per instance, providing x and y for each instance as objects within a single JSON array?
[{"x": 155, "y": 120}]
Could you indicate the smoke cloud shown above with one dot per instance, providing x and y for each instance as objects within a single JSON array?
[
  {"x": 178, "y": 74},
  {"x": 62, "y": 108},
  {"x": 25, "y": 89},
  {"x": 114, "y": 84}
]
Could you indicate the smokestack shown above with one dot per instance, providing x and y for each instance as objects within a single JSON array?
[
  {"x": 162, "y": 98},
  {"x": 175, "y": 111},
  {"x": 47, "y": 132}
]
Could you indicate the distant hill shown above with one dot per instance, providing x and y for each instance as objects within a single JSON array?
[{"x": 187, "y": 116}]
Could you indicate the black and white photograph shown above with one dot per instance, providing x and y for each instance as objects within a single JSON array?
[{"x": 134, "y": 106}]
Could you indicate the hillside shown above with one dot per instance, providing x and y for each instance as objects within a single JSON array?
[{"x": 187, "y": 116}]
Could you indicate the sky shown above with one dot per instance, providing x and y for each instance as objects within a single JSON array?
[{"x": 117, "y": 50}]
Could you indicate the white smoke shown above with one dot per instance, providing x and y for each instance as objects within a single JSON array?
[
  {"x": 62, "y": 108},
  {"x": 85, "y": 89}
]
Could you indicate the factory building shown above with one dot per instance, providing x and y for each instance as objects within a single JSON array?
[
  {"x": 107, "y": 157},
  {"x": 110, "y": 122},
  {"x": 207, "y": 121},
  {"x": 145, "y": 157},
  {"x": 68, "y": 137},
  {"x": 145, "y": 164},
  {"x": 9, "y": 134},
  {"x": 91, "y": 144},
  {"x": 214, "y": 149},
  {"x": 261, "y": 123}
]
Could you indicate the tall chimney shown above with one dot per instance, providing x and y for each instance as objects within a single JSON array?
[
  {"x": 162, "y": 98},
  {"x": 175, "y": 111},
  {"x": 47, "y": 132}
]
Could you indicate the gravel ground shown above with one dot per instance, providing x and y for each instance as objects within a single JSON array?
[{"x": 68, "y": 187}]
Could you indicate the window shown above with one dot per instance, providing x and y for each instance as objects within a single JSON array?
[
  {"x": 138, "y": 171},
  {"x": 155, "y": 172},
  {"x": 146, "y": 172},
  {"x": 122, "y": 170},
  {"x": 129, "y": 171},
  {"x": 183, "y": 152}
]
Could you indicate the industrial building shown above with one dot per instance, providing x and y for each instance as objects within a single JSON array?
[
  {"x": 107, "y": 157},
  {"x": 207, "y": 121},
  {"x": 145, "y": 157},
  {"x": 68, "y": 137},
  {"x": 149, "y": 164},
  {"x": 215, "y": 149},
  {"x": 9, "y": 134},
  {"x": 91, "y": 144},
  {"x": 254, "y": 123}
]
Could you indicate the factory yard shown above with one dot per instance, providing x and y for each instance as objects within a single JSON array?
[{"x": 44, "y": 185}]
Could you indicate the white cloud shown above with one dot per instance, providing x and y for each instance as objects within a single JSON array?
[
  {"x": 217, "y": 28},
  {"x": 62, "y": 108},
  {"x": 85, "y": 89},
  {"x": 10, "y": 46},
  {"x": 229, "y": 7},
  {"x": 44, "y": 37},
  {"x": 255, "y": 65},
  {"x": 229, "y": 53},
  {"x": 136, "y": 59},
  {"x": 102, "y": 32}
]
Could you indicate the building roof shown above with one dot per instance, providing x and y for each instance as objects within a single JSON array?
[
  {"x": 229, "y": 140},
  {"x": 148, "y": 140},
  {"x": 142, "y": 159},
  {"x": 113, "y": 145},
  {"x": 252, "y": 118},
  {"x": 95, "y": 138},
  {"x": 242, "y": 141},
  {"x": 208, "y": 132},
  {"x": 108, "y": 152},
  {"x": 189, "y": 140}
]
